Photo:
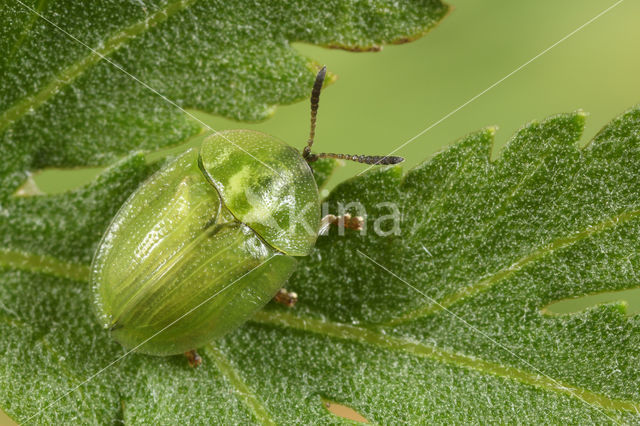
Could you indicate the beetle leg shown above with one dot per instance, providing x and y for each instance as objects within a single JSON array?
[
  {"x": 345, "y": 221},
  {"x": 193, "y": 358},
  {"x": 286, "y": 298}
]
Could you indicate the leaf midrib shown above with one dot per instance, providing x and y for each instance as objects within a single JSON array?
[
  {"x": 78, "y": 68},
  {"x": 362, "y": 335}
]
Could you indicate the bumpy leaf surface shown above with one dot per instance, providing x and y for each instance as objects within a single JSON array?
[
  {"x": 66, "y": 100},
  {"x": 441, "y": 322},
  {"x": 62, "y": 104}
]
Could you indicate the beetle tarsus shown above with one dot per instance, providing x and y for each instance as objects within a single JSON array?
[
  {"x": 193, "y": 358},
  {"x": 286, "y": 298},
  {"x": 345, "y": 221}
]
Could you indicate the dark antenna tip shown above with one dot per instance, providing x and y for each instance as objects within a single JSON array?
[
  {"x": 321, "y": 74},
  {"x": 315, "y": 100},
  {"x": 395, "y": 160}
]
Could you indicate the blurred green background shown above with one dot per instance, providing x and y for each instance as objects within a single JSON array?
[{"x": 381, "y": 100}]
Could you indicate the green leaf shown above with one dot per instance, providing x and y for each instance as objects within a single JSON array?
[
  {"x": 86, "y": 85},
  {"x": 444, "y": 322},
  {"x": 62, "y": 104}
]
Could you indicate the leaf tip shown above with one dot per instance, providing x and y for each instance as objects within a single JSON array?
[
  {"x": 581, "y": 113},
  {"x": 492, "y": 130}
]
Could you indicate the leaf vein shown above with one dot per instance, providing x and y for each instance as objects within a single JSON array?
[
  {"x": 506, "y": 272},
  {"x": 249, "y": 398},
  {"x": 77, "y": 69},
  {"x": 26, "y": 30},
  {"x": 412, "y": 347}
]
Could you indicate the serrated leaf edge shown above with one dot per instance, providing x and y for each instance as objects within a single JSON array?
[{"x": 504, "y": 273}]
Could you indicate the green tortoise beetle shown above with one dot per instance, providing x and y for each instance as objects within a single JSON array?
[{"x": 209, "y": 239}]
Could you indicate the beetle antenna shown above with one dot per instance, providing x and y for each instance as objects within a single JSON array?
[
  {"x": 315, "y": 99},
  {"x": 366, "y": 159},
  {"x": 306, "y": 152}
]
